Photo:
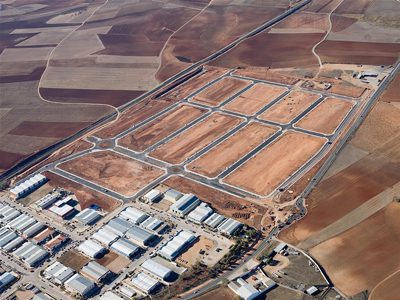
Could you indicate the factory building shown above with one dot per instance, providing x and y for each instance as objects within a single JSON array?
[
  {"x": 248, "y": 292},
  {"x": 46, "y": 201},
  {"x": 214, "y": 220},
  {"x": 95, "y": 271},
  {"x": 7, "y": 213},
  {"x": 144, "y": 282},
  {"x": 58, "y": 272},
  {"x": 14, "y": 244},
  {"x": 80, "y": 285},
  {"x": 40, "y": 297},
  {"x": 125, "y": 247},
  {"x": 6, "y": 236},
  {"x": 139, "y": 236},
  {"x": 62, "y": 211},
  {"x": 229, "y": 226},
  {"x": 152, "y": 196},
  {"x": 176, "y": 245},
  {"x": 105, "y": 237},
  {"x": 110, "y": 296},
  {"x": 172, "y": 195},
  {"x": 32, "y": 230},
  {"x": 43, "y": 236},
  {"x": 27, "y": 186},
  {"x": 22, "y": 222},
  {"x": 63, "y": 201},
  {"x": 5, "y": 279},
  {"x": 56, "y": 242},
  {"x": 91, "y": 248},
  {"x": 151, "y": 224},
  {"x": 156, "y": 269},
  {"x": 88, "y": 216},
  {"x": 30, "y": 253},
  {"x": 185, "y": 205},
  {"x": 118, "y": 226},
  {"x": 133, "y": 215},
  {"x": 128, "y": 292},
  {"x": 200, "y": 213}
]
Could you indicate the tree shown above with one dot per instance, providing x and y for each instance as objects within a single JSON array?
[{"x": 224, "y": 282}]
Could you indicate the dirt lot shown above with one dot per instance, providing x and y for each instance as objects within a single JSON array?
[
  {"x": 24, "y": 295},
  {"x": 195, "y": 138},
  {"x": 281, "y": 293},
  {"x": 281, "y": 158},
  {"x": 254, "y": 99},
  {"x": 220, "y": 91},
  {"x": 160, "y": 128},
  {"x": 222, "y": 293},
  {"x": 289, "y": 107},
  {"x": 392, "y": 92},
  {"x": 192, "y": 255},
  {"x": 224, "y": 204},
  {"x": 114, "y": 262},
  {"x": 74, "y": 260},
  {"x": 337, "y": 88},
  {"x": 48, "y": 129},
  {"x": 389, "y": 288},
  {"x": 233, "y": 148},
  {"x": 85, "y": 195},
  {"x": 323, "y": 6},
  {"x": 267, "y": 75},
  {"x": 36, "y": 195},
  {"x": 113, "y": 171},
  {"x": 327, "y": 116}
]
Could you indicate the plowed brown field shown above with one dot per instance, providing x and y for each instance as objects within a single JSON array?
[
  {"x": 305, "y": 20},
  {"x": 48, "y": 129},
  {"x": 161, "y": 127},
  {"x": 252, "y": 100},
  {"x": 113, "y": 171},
  {"x": 289, "y": 107},
  {"x": 392, "y": 94},
  {"x": 264, "y": 172},
  {"x": 353, "y": 7},
  {"x": 323, "y": 6},
  {"x": 220, "y": 91},
  {"x": 195, "y": 138},
  {"x": 326, "y": 117},
  {"x": 388, "y": 289},
  {"x": 229, "y": 151}
]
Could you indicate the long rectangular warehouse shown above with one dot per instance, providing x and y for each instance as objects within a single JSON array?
[
  {"x": 133, "y": 215},
  {"x": 88, "y": 216},
  {"x": 229, "y": 226},
  {"x": 151, "y": 223},
  {"x": 105, "y": 237},
  {"x": 59, "y": 272},
  {"x": 7, "y": 213},
  {"x": 34, "y": 229},
  {"x": 200, "y": 213},
  {"x": 176, "y": 245},
  {"x": 30, "y": 253},
  {"x": 156, "y": 269},
  {"x": 185, "y": 205},
  {"x": 214, "y": 220},
  {"x": 46, "y": 201},
  {"x": 140, "y": 235},
  {"x": 95, "y": 271},
  {"x": 6, "y": 236},
  {"x": 118, "y": 226},
  {"x": 14, "y": 244},
  {"x": 144, "y": 282},
  {"x": 27, "y": 185},
  {"x": 91, "y": 248},
  {"x": 125, "y": 247},
  {"x": 22, "y": 222}
]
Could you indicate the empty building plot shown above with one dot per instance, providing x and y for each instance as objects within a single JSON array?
[
  {"x": 58, "y": 272},
  {"x": 21, "y": 222},
  {"x": 200, "y": 213},
  {"x": 118, "y": 226},
  {"x": 27, "y": 186},
  {"x": 255, "y": 98},
  {"x": 176, "y": 245},
  {"x": 133, "y": 215},
  {"x": 214, "y": 220},
  {"x": 7, "y": 213},
  {"x": 140, "y": 236},
  {"x": 6, "y": 236},
  {"x": 32, "y": 230},
  {"x": 222, "y": 156},
  {"x": 88, "y": 216},
  {"x": 11, "y": 246},
  {"x": 144, "y": 282},
  {"x": 91, "y": 249},
  {"x": 160, "y": 128},
  {"x": 326, "y": 116},
  {"x": 229, "y": 226},
  {"x": 185, "y": 205},
  {"x": 105, "y": 237},
  {"x": 151, "y": 224},
  {"x": 30, "y": 254},
  {"x": 220, "y": 91},
  {"x": 156, "y": 269},
  {"x": 125, "y": 247},
  {"x": 46, "y": 201},
  {"x": 286, "y": 109},
  {"x": 183, "y": 146},
  {"x": 270, "y": 167},
  {"x": 94, "y": 271}
]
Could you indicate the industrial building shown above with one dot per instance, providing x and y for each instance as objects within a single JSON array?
[
  {"x": 133, "y": 215},
  {"x": 185, "y": 205},
  {"x": 79, "y": 284},
  {"x": 65, "y": 200},
  {"x": 13, "y": 244},
  {"x": 110, "y": 296},
  {"x": 151, "y": 223},
  {"x": 58, "y": 272},
  {"x": 152, "y": 196},
  {"x": 172, "y": 195},
  {"x": 5, "y": 279},
  {"x": 105, "y": 237},
  {"x": 139, "y": 235},
  {"x": 280, "y": 247},
  {"x": 91, "y": 248},
  {"x": 88, "y": 216},
  {"x": 144, "y": 282},
  {"x": 62, "y": 211},
  {"x": 43, "y": 236},
  {"x": 128, "y": 292},
  {"x": 214, "y": 220},
  {"x": 22, "y": 222},
  {"x": 229, "y": 226},
  {"x": 312, "y": 290},
  {"x": 30, "y": 253},
  {"x": 248, "y": 292},
  {"x": 200, "y": 213},
  {"x": 27, "y": 186},
  {"x": 124, "y": 247},
  {"x": 118, "y": 226},
  {"x": 176, "y": 245},
  {"x": 7, "y": 213},
  {"x": 46, "y": 201},
  {"x": 40, "y": 297},
  {"x": 6, "y": 236},
  {"x": 156, "y": 269},
  {"x": 56, "y": 242},
  {"x": 95, "y": 271},
  {"x": 32, "y": 230}
]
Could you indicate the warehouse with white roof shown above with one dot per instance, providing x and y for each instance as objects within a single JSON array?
[
  {"x": 22, "y": 222},
  {"x": 105, "y": 237},
  {"x": 200, "y": 213},
  {"x": 176, "y": 245},
  {"x": 156, "y": 269},
  {"x": 229, "y": 226},
  {"x": 27, "y": 186},
  {"x": 7, "y": 213},
  {"x": 214, "y": 220},
  {"x": 33, "y": 230},
  {"x": 152, "y": 196},
  {"x": 151, "y": 223},
  {"x": 91, "y": 249},
  {"x": 59, "y": 272},
  {"x": 139, "y": 235},
  {"x": 79, "y": 284},
  {"x": 144, "y": 282},
  {"x": 95, "y": 271},
  {"x": 46, "y": 201},
  {"x": 185, "y": 205},
  {"x": 125, "y": 247},
  {"x": 14, "y": 244},
  {"x": 118, "y": 226},
  {"x": 62, "y": 211},
  {"x": 6, "y": 236},
  {"x": 88, "y": 216},
  {"x": 172, "y": 195},
  {"x": 30, "y": 253},
  {"x": 133, "y": 215},
  {"x": 5, "y": 279}
]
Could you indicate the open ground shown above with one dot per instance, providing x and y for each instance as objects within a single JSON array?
[
  {"x": 192, "y": 255},
  {"x": 114, "y": 262},
  {"x": 74, "y": 260},
  {"x": 221, "y": 293}
]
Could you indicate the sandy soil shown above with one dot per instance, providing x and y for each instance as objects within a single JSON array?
[
  {"x": 223, "y": 203},
  {"x": 267, "y": 75},
  {"x": 289, "y": 107},
  {"x": 74, "y": 260},
  {"x": 220, "y": 91},
  {"x": 161, "y": 127},
  {"x": 337, "y": 87},
  {"x": 222, "y": 293},
  {"x": 229, "y": 151},
  {"x": 15, "y": 54},
  {"x": 327, "y": 116},
  {"x": 195, "y": 138},
  {"x": 392, "y": 92},
  {"x": 192, "y": 255},
  {"x": 281, "y": 293},
  {"x": 113, "y": 171},
  {"x": 114, "y": 262},
  {"x": 387, "y": 289},
  {"x": 264, "y": 172},
  {"x": 254, "y": 99}
]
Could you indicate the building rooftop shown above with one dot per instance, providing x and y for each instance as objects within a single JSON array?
[
  {"x": 229, "y": 226},
  {"x": 43, "y": 235},
  {"x": 214, "y": 220},
  {"x": 55, "y": 241},
  {"x": 139, "y": 234},
  {"x": 104, "y": 236},
  {"x": 80, "y": 284},
  {"x": 133, "y": 215},
  {"x": 62, "y": 211},
  {"x": 144, "y": 282},
  {"x": 151, "y": 223},
  {"x": 47, "y": 200},
  {"x": 95, "y": 271},
  {"x": 156, "y": 269},
  {"x": 171, "y": 193},
  {"x": 200, "y": 213},
  {"x": 60, "y": 272},
  {"x": 125, "y": 247},
  {"x": 173, "y": 247},
  {"x": 110, "y": 296},
  {"x": 88, "y": 216},
  {"x": 118, "y": 226},
  {"x": 90, "y": 248}
]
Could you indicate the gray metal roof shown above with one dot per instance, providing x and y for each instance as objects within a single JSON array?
[
  {"x": 214, "y": 220},
  {"x": 156, "y": 269},
  {"x": 40, "y": 297},
  {"x": 118, "y": 226},
  {"x": 13, "y": 244},
  {"x": 30, "y": 253},
  {"x": 80, "y": 284},
  {"x": 139, "y": 234},
  {"x": 35, "y": 228},
  {"x": 125, "y": 247},
  {"x": 173, "y": 194},
  {"x": 88, "y": 216},
  {"x": 60, "y": 272},
  {"x": 95, "y": 270},
  {"x": 151, "y": 223},
  {"x": 229, "y": 226},
  {"x": 6, "y": 236}
]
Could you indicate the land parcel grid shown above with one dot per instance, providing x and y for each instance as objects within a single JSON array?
[
  {"x": 113, "y": 171},
  {"x": 286, "y": 109},
  {"x": 233, "y": 148},
  {"x": 255, "y": 98},
  {"x": 220, "y": 91},
  {"x": 153, "y": 132},
  {"x": 326, "y": 116},
  {"x": 195, "y": 138},
  {"x": 270, "y": 167}
]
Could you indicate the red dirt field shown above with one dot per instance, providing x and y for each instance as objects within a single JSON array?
[
  {"x": 113, "y": 171},
  {"x": 160, "y": 128},
  {"x": 305, "y": 20},
  {"x": 392, "y": 94},
  {"x": 9, "y": 159},
  {"x": 267, "y": 75},
  {"x": 134, "y": 115},
  {"x": 388, "y": 289},
  {"x": 220, "y": 91},
  {"x": 224, "y": 204},
  {"x": 323, "y": 6},
  {"x": 270, "y": 167},
  {"x": 289, "y": 107},
  {"x": 110, "y": 97},
  {"x": 326, "y": 117},
  {"x": 195, "y": 138},
  {"x": 254, "y": 99},
  {"x": 340, "y": 23},
  {"x": 48, "y": 129},
  {"x": 353, "y": 7},
  {"x": 34, "y": 75},
  {"x": 85, "y": 195},
  {"x": 223, "y": 293},
  {"x": 229, "y": 151},
  {"x": 364, "y": 255}
]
